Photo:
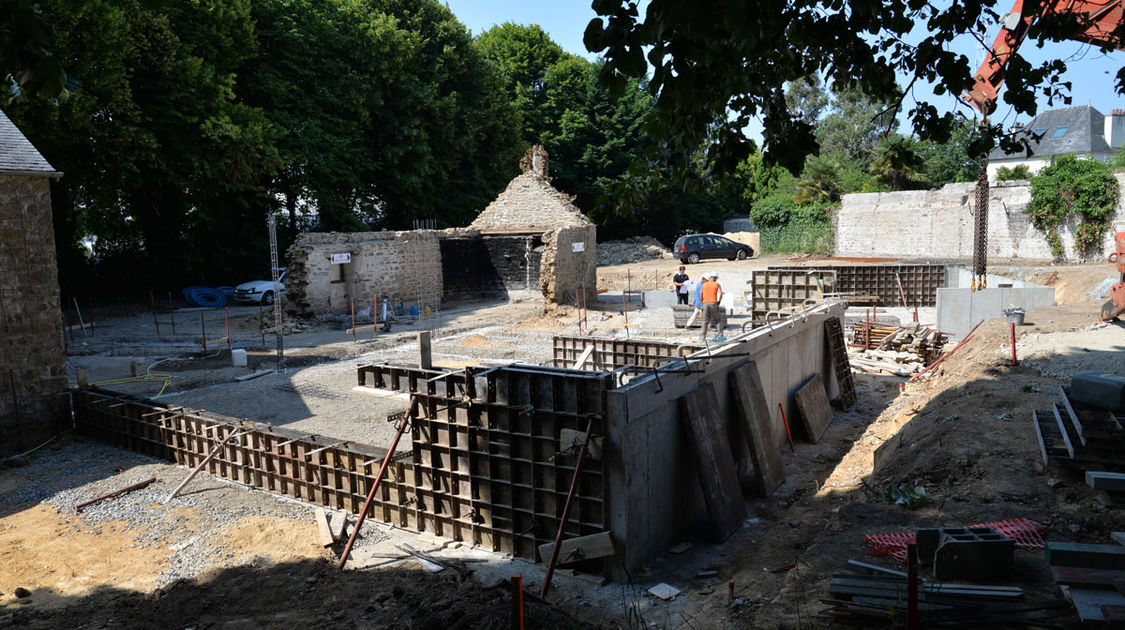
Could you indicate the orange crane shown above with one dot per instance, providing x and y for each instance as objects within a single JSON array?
[
  {"x": 1103, "y": 24},
  {"x": 1100, "y": 19}
]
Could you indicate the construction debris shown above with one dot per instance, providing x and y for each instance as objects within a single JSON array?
[{"x": 630, "y": 250}]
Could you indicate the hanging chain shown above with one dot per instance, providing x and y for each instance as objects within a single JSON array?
[{"x": 980, "y": 225}]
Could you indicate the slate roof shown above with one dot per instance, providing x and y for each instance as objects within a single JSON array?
[
  {"x": 17, "y": 155},
  {"x": 1084, "y": 133}
]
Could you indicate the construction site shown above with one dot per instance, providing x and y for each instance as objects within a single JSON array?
[
  {"x": 566, "y": 427},
  {"x": 510, "y": 424}
]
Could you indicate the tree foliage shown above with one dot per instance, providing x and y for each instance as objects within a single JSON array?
[
  {"x": 898, "y": 165},
  {"x": 715, "y": 66},
  {"x": 1011, "y": 173},
  {"x": 188, "y": 123},
  {"x": 1074, "y": 189}
]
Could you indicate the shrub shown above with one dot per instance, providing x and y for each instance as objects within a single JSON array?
[
  {"x": 1070, "y": 187},
  {"x": 1007, "y": 174}
]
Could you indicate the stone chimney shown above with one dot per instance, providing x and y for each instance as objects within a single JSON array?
[
  {"x": 1115, "y": 128},
  {"x": 535, "y": 161}
]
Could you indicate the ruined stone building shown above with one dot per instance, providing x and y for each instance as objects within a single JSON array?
[
  {"x": 32, "y": 357},
  {"x": 531, "y": 242}
]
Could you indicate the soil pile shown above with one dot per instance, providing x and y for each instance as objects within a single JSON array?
[{"x": 633, "y": 249}]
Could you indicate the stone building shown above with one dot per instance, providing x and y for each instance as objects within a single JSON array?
[
  {"x": 530, "y": 242},
  {"x": 32, "y": 356}
]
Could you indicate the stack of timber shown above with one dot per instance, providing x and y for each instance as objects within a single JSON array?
[
  {"x": 868, "y": 601},
  {"x": 1093, "y": 577},
  {"x": 1085, "y": 439},
  {"x": 898, "y": 351}
]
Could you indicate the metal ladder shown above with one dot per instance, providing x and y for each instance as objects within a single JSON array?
[{"x": 835, "y": 333}]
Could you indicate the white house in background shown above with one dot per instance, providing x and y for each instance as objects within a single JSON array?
[{"x": 1081, "y": 130}]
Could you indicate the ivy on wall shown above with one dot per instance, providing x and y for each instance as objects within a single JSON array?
[{"x": 1073, "y": 189}]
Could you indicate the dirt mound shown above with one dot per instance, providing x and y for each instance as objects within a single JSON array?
[{"x": 633, "y": 249}]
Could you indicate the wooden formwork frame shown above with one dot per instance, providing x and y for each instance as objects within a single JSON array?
[
  {"x": 610, "y": 354},
  {"x": 919, "y": 282},
  {"x": 787, "y": 291},
  {"x": 489, "y": 464}
]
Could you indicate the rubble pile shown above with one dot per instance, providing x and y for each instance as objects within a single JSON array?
[{"x": 632, "y": 249}]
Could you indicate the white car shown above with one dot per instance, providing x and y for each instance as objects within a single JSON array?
[{"x": 259, "y": 291}]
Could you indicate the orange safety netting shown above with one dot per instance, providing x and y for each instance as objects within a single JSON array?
[{"x": 1027, "y": 533}]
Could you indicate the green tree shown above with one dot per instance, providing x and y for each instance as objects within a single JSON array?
[
  {"x": 820, "y": 181},
  {"x": 898, "y": 165},
  {"x": 807, "y": 98},
  {"x": 1011, "y": 173},
  {"x": 522, "y": 56},
  {"x": 952, "y": 160},
  {"x": 716, "y": 66},
  {"x": 854, "y": 126}
]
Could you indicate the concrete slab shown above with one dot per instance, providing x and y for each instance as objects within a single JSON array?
[
  {"x": 958, "y": 310},
  {"x": 656, "y": 299}
]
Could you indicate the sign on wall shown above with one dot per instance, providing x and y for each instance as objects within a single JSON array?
[
  {"x": 339, "y": 259},
  {"x": 578, "y": 247}
]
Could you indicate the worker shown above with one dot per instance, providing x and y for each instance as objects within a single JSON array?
[
  {"x": 696, "y": 299},
  {"x": 711, "y": 293},
  {"x": 680, "y": 282}
]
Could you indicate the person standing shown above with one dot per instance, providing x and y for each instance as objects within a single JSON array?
[
  {"x": 680, "y": 281},
  {"x": 711, "y": 293},
  {"x": 697, "y": 300}
]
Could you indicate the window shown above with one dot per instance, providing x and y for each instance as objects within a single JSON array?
[
  {"x": 1060, "y": 132},
  {"x": 1039, "y": 133}
]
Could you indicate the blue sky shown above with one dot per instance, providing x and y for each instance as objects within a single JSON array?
[{"x": 1090, "y": 72}]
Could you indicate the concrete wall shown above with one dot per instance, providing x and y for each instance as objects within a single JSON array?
[
  {"x": 654, "y": 492},
  {"x": 405, "y": 264},
  {"x": 564, "y": 271},
  {"x": 958, "y": 310},
  {"x": 939, "y": 224},
  {"x": 31, "y": 338}
]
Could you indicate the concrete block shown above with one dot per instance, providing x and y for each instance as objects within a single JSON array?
[
  {"x": 238, "y": 357},
  {"x": 927, "y": 541},
  {"x": 958, "y": 310},
  {"x": 659, "y": 298},
  {"x": 1098, "y": 389},
  {"x": 1083, "y": 555},
  {"x": 137, "y": 367},
  {"x": 973, "y": 553}
]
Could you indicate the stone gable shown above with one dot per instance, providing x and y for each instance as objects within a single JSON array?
[{"x": 530, "y": 202}]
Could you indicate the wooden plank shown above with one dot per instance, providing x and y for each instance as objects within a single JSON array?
[
  {"x": 324, "y": 531},
  {"x": 1073, "y": 417},
  {"x": 590, "y": 547},
  {"x": 1088, "y": 603},
  {"x": 718, "y": 474},
  {"x": 756, "y": 425},
  {"x": 816, "y": 412},
  {"x": 1084, "y": 555},
  {"x": 1080, "y": 576},
  {"x": 582, "y": 358},
  {"x": 1112, "y": 482}
]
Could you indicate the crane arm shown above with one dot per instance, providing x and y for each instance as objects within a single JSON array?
[{"x": 1100, "y": 17}]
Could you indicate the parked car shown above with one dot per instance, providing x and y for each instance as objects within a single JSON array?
[
  {"x": 692, "y": 248},
  {"x": 259, "y": 291}
]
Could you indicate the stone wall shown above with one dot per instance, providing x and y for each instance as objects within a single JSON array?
[
  {"x": 438, "y": 268},
  {"x": 407, "y": 265},
  {"x": 564, "y": 270},
  {"x": 939, "y": 224},
  {"x": 32, "y": 356}
]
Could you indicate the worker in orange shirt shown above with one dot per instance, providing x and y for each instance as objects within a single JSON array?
[{"x": 711, "y": 294}]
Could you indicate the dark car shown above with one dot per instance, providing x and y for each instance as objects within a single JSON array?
[{"x": 692, "y": 248}]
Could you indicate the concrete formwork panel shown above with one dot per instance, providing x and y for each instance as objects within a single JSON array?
[
  {"x": 958, "y": 310},
  {"x": 653, "y": 487}
]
